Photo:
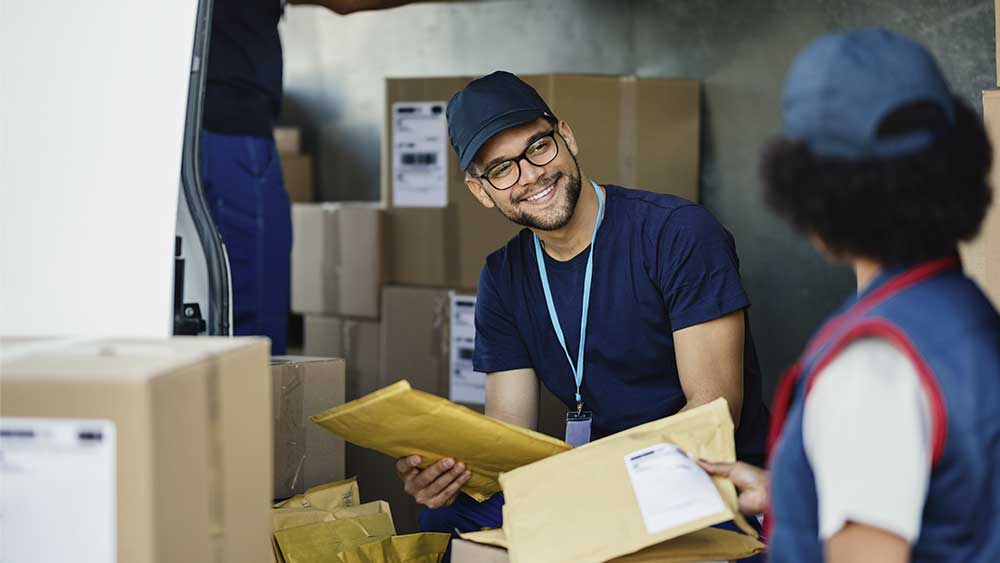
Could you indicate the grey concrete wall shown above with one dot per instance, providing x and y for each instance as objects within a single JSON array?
[{"x": 740, "y": 49}]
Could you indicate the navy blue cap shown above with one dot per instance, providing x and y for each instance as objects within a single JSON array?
[
  {"x": 842, "y": 86},
  {"x": 487, "y": 106}
]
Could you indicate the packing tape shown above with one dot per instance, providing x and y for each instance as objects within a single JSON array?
[
  {"x": 440, "y": 333},
  {"x": 453, "y": 236},
  {"x": 349, "y": 347},
  {"x": 333, "y": 264},
  {"x": 216, "y": 479},
  {"x": 290, "y": 430}
]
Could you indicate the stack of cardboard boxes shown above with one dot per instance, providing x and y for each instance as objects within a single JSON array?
[{"x": 391, "y": 287}]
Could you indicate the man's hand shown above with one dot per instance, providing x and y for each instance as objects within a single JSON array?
[
  {"x": 434, "y": 487},
  {"x": 754, "y": 484}
]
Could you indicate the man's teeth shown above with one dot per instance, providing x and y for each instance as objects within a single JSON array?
[{"x": 541, "y": 194}]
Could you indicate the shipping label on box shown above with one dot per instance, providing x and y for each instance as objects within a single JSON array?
[
  {"x": 53, "y": 471},
  {"x": 466, "y": 385},
  {"x": 419, "y": 154}
]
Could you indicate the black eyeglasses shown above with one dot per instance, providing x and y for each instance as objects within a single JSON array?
[{"x": 541, "y": 152}]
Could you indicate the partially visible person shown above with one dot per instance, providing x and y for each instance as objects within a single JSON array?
[
  {"x": 886, "y": 440},
  {"x": 240, "y": 170}
]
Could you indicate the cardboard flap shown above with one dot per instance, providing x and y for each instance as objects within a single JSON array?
[
  {"x": 494, "y": 537},
  {"x": 399, "y": 421},
  {"x": 545, "y": 500}
]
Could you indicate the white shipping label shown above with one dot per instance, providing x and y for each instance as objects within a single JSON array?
[
  {"x": 671, "y": 488},
  {"x": 57, "y": 490},
  {"x": 419, "y": 154},
  {"x": 467, "y": 386}
]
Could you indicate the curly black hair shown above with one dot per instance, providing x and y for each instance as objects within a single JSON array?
[{"x": 896, "y": 211}]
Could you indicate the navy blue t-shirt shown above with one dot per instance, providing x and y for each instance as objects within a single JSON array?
[
  {"x": 661, "y": 264},
  {"x": 243, "y": 88}
]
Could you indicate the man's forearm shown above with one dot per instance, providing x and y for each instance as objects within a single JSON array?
[
  {"x": 710, "y": 362},
  {"x": 512, "y": 397}
]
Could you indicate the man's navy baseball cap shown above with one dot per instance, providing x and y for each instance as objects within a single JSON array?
[
  {"x": 841, "y": 88},
  {"x": 487, "y": 106}
]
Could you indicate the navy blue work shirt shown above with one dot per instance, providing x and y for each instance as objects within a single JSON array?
[
  {"x": 661, "y": 264},
  {"x": 243, "y": 87}
]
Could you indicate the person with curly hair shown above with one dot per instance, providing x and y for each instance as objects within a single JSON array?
[{"x": 885, "y": 444}]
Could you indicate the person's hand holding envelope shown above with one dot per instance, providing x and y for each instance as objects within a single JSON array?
[{"x": 434, "y": 487}]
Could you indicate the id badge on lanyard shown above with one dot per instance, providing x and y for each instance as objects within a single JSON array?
[{"x": 578, "y": 421}]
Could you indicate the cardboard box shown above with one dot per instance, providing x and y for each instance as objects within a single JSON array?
[
  {"x": 434, "y": 257},
  {"x": 288, "y": 139},
  {"x": 981, "y": 257},
  {"x": 337, "y": 259},
  {"x": 297, "y": 170},
  {"x": 415, "y": 338},
  {"x": 193, "y": 425},
  {"x": 635, "y": 132},
  {"x": 355, "y": 340},
  {"x": 305, "y": 455}
]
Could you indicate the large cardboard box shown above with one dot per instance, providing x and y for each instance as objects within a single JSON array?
[
  {"x": 636, "y": 132},
  {"x": 981, "y": 257},
  {"x": 337, "y": 259},
  {"x": 288, "y": 139},
  {"x": 423, "y": 245},
  {"x": 415, "y": 338},
  {"x": 355, "y": 340},
  {"x": 304, "y": 454},
  {"x": 193, "y": 425}
]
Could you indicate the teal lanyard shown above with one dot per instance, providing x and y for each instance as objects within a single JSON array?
[{"x": 578, "y": 367}]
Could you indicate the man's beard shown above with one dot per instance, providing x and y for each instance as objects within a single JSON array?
[{"x": 558, "y": 217}]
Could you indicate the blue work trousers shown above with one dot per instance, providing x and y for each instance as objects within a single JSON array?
[{"x": 247, "y": 198}]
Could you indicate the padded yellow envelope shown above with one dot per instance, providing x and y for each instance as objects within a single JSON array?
[
  {"x": 399, "y": 421},
  {"x": 323, "y": 540},
  {"x": 585, "y": 505},
  {"x": 327, "y": 497},
  {"x": 412, "y": 548},
  {"x": 291, "y": 517}
]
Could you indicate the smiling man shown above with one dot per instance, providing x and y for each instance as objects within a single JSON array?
[{"x": 626, "y": 304}]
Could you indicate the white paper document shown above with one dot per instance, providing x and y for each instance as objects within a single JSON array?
[
  {"x": 58, "y": 490},
  {"x": 419, "y": 154},
  {"x": 670, "y": 487},
  {"x": 467, "y": 386}
]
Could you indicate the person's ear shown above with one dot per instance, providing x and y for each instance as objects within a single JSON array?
[
  {"x": 567, "y": 134},
  {"x": 478, "y": 189}
]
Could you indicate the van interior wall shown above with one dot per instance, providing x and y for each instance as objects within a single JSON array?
[{"x": 335, "y": 68}]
